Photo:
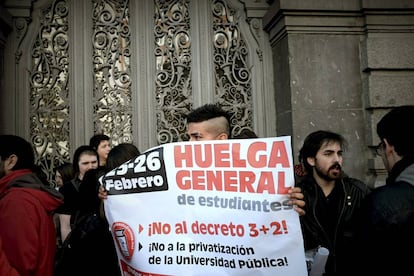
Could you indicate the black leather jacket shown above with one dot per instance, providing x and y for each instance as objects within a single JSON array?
[{"x": 352, "y": 192}]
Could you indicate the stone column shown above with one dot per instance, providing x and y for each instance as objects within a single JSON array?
[
  {"x": 340, "y": 65},
  {"x": 317, "y": 73}
]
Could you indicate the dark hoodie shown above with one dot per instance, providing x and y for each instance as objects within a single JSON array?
[{"x": 26, "y": 218}]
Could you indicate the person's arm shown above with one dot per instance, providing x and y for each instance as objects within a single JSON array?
[
  {"x": 64, "y": 226},
  {"x": 5, "y": 266}
]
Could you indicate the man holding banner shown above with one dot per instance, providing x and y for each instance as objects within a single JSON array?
[
  {"x": 211, "y": 122},
  {"x": 212, "y": 206}
]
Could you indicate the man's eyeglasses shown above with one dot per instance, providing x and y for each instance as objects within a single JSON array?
[{"x": 379, "y": 149}]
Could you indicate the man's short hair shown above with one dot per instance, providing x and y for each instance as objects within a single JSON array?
[
  {"x": 395, "y": 126},
  {"x": 12, "y": 144},
  {"x": 207, "y": 112},
  {"x": 96, "y": 140},
  {"x": 246, "y": 133}
]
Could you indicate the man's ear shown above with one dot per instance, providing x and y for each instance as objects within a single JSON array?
[
  {"x": 311, "y": 161},
  {"x": 388, "y": 147},
  {"x": 10, "y": 162},
  {"x": 223, "y": 136}
]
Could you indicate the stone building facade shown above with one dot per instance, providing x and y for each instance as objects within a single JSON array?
[{"x": 282, "y": 67}]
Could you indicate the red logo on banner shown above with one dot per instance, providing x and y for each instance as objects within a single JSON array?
[{"x": 125, "y": 239}]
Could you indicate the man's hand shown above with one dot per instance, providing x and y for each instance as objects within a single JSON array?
[
  {"x": 102, "y": 193},
  {"x": 296, "y": 198}
]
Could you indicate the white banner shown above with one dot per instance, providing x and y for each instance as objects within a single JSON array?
[{"x": 207, "y": 208}]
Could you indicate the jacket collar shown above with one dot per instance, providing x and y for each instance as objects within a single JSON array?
[
  {"x": 403, "y": 170},
  {"x": 7, "y": 180}
]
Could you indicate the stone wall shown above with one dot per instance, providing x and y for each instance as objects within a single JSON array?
[{"x": 339, "y": 66}]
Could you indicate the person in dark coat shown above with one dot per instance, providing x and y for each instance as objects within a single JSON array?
[
  {"x": 89, "y": 249},
  {"x": 386, "y": 236},
  {"x": 93, "y": 250},
  {"x": 331, "y": 200}
]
